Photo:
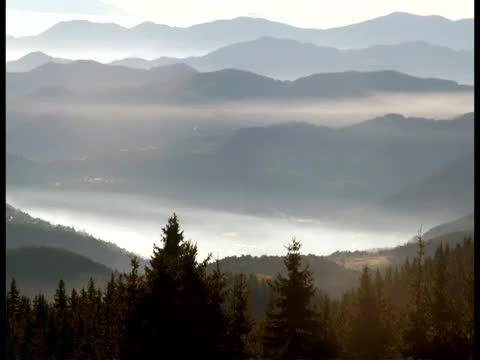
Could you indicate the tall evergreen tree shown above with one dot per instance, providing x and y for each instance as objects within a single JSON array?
[
  {"x": 13, "y": 319},
  {"x": 133, "y": 312},
  {"x": 182, "y": 305},
  {"x": 60, "y": 307},
  {"x": 290, "y": 323},
  {"x": 417, "y": 335},
  {"x": 441, "y": 309}
]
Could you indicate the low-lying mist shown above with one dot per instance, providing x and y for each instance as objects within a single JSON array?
[
  {"x": 74, "y": 130},
  {"x": 135, "y": 222},
  {"x": 328, "y": 112}
]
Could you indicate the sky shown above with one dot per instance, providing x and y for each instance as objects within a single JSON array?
[{"x": 29, "y": 17}]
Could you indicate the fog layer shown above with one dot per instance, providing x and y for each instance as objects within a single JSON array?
[
  {"x": 135, "y": 222},
  {"x": 328, "y": 112}
]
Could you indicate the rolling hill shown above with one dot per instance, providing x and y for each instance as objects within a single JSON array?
[
  {"x": 24, "y": 231},
  {"x": 38, "y": 269},
  {"x": 86, "y": 76},
  {"x": 451, "y": 233},
  {"x": 339, "y": 272},
  {"x": 465, "y": 225},
  {"x": 328, "y": 276},
  {"x": 450, "y": 186},
  {"x": 178, "y": 83},
  {"x": 312, "y": 168},
  {"x": 325, "y": 163}
]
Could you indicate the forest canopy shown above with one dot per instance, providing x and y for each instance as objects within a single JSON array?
[{"x": 420, "y": 309}]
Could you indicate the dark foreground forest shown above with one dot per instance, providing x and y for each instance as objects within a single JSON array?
[{"x": 179, "y": 309}]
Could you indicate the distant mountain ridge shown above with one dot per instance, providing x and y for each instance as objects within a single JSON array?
[
  {"x": 33, "y": 60},
  {"x": 161, "y": 40},
  {"x": 289, "y": 59}
]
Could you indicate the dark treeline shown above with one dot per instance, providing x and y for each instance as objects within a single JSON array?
[{"x": 177, "y": 309}]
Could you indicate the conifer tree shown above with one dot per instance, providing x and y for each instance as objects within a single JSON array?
[
  {"x": 440, "y": 308},
  {"x": 367, "y": 337},
  {"x": 74, "y": 320},
  {"x": 51, "y": 341},
  {"x": 172, "y": 236},
  {"x": 61, "y": 321},
  {"x": 417, "y": 335},
  {"x": 39, "y": 324},
  {"x": 447, "y": 339},
  {"x": 290, "y": 324},
  {"x": 179, "y": 308},
  {"x": 327, "y": 346},
  {"x": 466, "y": 299},
  {"x": 13, "y": 303},
  {"x": 240, "y": 322},
  {"x": 343, "y": 320},
  {"x": 218, "y": 322},
  {"x": 108, "y": 324},
  {"x": 181, "y": 303},
  {"x": 93, "y": 303},
  {"x": 12, "y": 323},
  {"x": 135, "y": 310},
  {"x": 387, "y": 317},
  {"x": 26, "y": 339},
  {"x": 160, "y": 305}
]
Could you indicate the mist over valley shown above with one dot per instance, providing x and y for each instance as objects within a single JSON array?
[{"x": 241, "y": 188}]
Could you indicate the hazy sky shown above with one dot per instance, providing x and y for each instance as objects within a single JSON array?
[{"x": 302, "y": 13}]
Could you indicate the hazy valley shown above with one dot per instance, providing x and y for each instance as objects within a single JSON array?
[{"x": 264, "y": 190}]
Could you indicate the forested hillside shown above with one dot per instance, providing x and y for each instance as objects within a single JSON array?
[
  {"x": 383, "y": 162},
  {"x": 328, "y": 276},
  {"x": 37, "y": 269},
  {"x": 24, "y": 230},
  {"x": 450, "y": 233},
  {"x": 422, "y": 309}
]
